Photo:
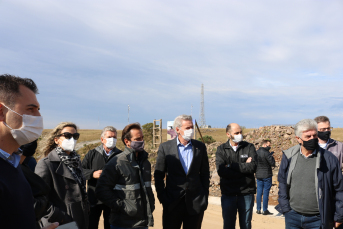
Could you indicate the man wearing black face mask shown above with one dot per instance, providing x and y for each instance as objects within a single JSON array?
[
  {"x": 310, "y": 182},
  {"x": 264, "y": 173},
  {"x": 324, "y": 140},
  {"x": 125, "y": 183}
]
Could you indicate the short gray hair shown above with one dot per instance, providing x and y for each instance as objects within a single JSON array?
[
  {"x": 305, "y": 125},
  {"x": 178, "y": 120},
  {"x": 108, "y": 128}
]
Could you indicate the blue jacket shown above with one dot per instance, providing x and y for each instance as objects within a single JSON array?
[{"x": 329, "y": 185}]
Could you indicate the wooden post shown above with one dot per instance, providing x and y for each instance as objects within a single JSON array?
[{"x": 196, "y": 124}]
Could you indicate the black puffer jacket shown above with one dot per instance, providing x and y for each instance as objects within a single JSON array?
[
  {"x": 95, "y": 160},
  {"x": 238, "y": 178},
  {"x": 125, "y": 186},
  {"x": 265, "y": 162}
]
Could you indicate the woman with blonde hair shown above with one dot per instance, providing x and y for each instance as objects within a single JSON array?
[{"x": 61, "y": 169}]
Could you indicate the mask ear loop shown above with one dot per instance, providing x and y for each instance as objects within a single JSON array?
[{"x": 11, "y": 110}]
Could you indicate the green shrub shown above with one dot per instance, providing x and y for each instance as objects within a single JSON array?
[{"x": 207, "y": 139}]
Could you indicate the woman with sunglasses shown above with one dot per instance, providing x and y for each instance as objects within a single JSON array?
[{"x": 61, "y": 169}]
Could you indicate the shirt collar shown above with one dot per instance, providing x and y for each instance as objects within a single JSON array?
[
  {"x": 311, "y": 155},
  {"x": 232, "y": 145},
  {"x": 109, "y": 153},
  {"x": 179, "y": 143},
  {"x": 13, "y": 159}
]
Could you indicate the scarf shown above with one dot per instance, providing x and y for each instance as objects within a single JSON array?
[{"x": 72, "y": 162}]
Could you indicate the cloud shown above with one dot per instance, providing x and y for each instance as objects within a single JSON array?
[{"x": 261, "y": 62}]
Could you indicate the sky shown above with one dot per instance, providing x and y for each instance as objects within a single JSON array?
[{"x": 261, "y": 62}]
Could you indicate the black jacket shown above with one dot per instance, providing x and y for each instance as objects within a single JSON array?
[
  {"x": 194, "y": 185},
  {"x": 125, "y": 186},
  {"x": 94, "y": 160},
  {"x": 265, "y": 162},
  {"x": 40, "y": 191},
  {"x": 238, "y": 178}
]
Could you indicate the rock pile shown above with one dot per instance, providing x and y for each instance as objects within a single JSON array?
[{"x": 282, "y": 138}]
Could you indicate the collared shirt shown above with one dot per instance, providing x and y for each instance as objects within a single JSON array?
[
  {"x": 109, "y": 153},
  {"x": 13, "y": 159},
  {"x": 311, "y": 155},
  {"x": 185, "y": 154},
  {"x": 234, "y": 147}
]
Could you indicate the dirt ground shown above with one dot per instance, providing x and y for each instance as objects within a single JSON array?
[{"x": 213, "y": 219}]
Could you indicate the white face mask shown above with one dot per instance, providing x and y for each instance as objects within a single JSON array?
[
  {"x": 68, "y": 144},
  {"x": 30, "y": 131},
  {"x": 111, "y": 143},
  {"x": 188, "y": 134},
  {"x": 237, "y": 138}
]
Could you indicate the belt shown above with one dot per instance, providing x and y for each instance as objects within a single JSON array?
[{"x": 307, "y": 215}]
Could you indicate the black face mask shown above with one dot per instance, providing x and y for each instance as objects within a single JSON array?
[
  {"x": 267, "y": 148},
  {"x": 311, "y": 144},
  {"x": 29, "y": 149},
  {"x": 325, "y": 135}
]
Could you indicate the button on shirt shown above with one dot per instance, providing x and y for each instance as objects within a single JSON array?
[
  {"x": 185, "y": 154},
  {"x": 12, "y": 159}
]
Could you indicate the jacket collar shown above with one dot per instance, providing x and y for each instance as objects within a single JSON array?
[
  {"x": 131, "y": 156},
  {"x": 53, "y": 156},
  {"x": 62, "y": 168}
]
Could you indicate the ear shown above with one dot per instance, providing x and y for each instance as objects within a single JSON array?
[
  {"x": 56, "y": 140},
  {"x": 127, "y": 142},
  {"x": 227, "y": 134},
  {"x": 2, "y": 115},
  {"x": 298, "y": 139},
  {"x": 177, "y": 129}
]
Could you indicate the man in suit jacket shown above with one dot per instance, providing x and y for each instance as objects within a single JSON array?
[{"x": 184, "y": 162}]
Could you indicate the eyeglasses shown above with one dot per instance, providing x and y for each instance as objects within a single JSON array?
[
  {"x": 326, "y": 129},
  {"x": 68, "y": 135}
]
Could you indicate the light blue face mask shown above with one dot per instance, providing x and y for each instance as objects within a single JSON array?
[{"x": 30, "y": 131}]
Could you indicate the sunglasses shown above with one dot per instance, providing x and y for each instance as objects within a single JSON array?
[{"x": 68, "y": 135}]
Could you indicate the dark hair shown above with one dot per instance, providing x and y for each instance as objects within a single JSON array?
[
  {"x": 9, "y": 88},
  {"x": 126, "y": 134},
  {"x": 228, "y": 128},
  {"x": 321, "y": 119},
  {"x": 265, "y": 142}
]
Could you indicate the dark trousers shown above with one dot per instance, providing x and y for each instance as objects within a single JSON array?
[
  {"x": 95, "y": 213},
  {"x": 263, "y": 187},
  {"x": 295, "y": 220},
  {"x": 179, "y": 216},
  {"x": 243, "y": 204}
]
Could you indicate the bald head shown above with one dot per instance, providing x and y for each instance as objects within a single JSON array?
[{"x": 232, "y": 128}]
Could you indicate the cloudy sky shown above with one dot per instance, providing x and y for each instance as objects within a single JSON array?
[{"x": 261, "y": 62}]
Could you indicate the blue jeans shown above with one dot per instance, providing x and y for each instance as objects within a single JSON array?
[
  {"x": 263, "y": 186},
  {"x": 294, "y": 220},
  {"x": 115, "y": 227},
  {"x": 244, "y": 205}
]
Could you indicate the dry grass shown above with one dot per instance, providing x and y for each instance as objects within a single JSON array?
[{"x": 337, "y": 134}]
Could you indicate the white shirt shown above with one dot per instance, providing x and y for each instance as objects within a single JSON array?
[{"x": 234, "y": 147}]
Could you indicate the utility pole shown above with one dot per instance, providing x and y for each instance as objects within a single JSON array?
[
  {"x": 128, "y": 114},
  {"x": 202, "y": 109}
]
